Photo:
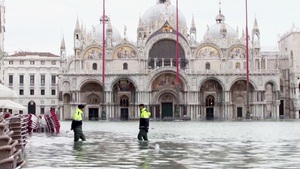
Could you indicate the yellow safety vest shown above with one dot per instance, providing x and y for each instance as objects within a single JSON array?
[
  {"x": 145, "y": 113},
  {"x": 78, "y": 115}
]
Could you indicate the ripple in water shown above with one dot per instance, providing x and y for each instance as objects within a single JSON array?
[{"x": 181, "y": 145}]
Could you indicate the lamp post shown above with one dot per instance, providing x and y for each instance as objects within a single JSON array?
[{"x": 247, "y": 61}]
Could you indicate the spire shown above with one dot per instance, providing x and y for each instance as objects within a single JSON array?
[
  {"x": 193, "y": 26},
  {"x": 77, "y": 28},
  {"x": 220, "y": 17},
  {"x": 255, "y": 27},
  {"x": 140, "y": 26},
  {"x": 63, "y": 45}
]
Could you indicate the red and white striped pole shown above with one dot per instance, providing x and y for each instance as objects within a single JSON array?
[
  {"x": 177, "y": 47},
  {"x": 103, "y": 45}
]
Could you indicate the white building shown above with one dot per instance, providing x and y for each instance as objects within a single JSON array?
[
  {"x": 34, "y": 77},
  {"x": 213, "y": 83},
  {"x": 289, "y": 55}
]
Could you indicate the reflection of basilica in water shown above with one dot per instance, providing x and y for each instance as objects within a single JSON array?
[{"x": 212, "y": 72}]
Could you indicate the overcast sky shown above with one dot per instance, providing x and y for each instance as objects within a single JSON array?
[{"x": 39, "y": 25}]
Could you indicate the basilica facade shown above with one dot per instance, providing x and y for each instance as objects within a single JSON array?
[{"x": 212, "y": 71}]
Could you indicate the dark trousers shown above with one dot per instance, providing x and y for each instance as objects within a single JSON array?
[
  {"x": 143, "y": 135},
  {"x": 78, "y": 134}
]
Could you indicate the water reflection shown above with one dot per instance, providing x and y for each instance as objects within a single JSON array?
[{"x": 172, "y": 145}]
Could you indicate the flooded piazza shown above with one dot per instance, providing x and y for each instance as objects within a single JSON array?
[{"x": 174, "y": 145}]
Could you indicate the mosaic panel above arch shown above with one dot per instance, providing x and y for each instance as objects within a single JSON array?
[
  {"x": 165, "y": 81},
  {"x": 125, "y": 52},
  {"x": 237, "y": 52},
  {"x": 207, "y": 52},
  {"x": 93, "y": 53}
]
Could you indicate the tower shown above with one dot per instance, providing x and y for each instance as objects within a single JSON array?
[
  {"x": 255, "y": 38},
  {"x": 77, "y": 39}
]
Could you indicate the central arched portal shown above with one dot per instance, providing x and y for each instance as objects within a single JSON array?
[
  {"x": 91, "y": 93},
  {"x": 167, "y": 101},
  {"x": 124, "y": 98}
]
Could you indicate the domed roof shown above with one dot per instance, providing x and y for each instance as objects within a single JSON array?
[
  {"x": 160, "y": 13},
  {"x": 216, "y": 31},
  {"x": 220, "y": 29},
  {"x": 97, "y": 31}
]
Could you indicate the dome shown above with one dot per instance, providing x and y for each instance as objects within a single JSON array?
[
  {"x": 97, "y": 30},
  {"x": 220, "y": 30},
  {"x": 216, "y": 31},
  {"x": 163, "y": 11}
]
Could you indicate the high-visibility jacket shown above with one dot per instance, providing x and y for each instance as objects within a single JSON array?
[
  {"x": 145, "y": 114},
  {"x": 144, "y": 120},
  {"x": 78, "y": 115}
]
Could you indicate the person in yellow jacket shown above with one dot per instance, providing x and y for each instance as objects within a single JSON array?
[
  {"x": 144, "y": 123},
  {"x": 76, "y": 125}
]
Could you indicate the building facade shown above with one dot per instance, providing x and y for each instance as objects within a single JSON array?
[
  {"x": 289, "y": 52},
  {"x": 34, "y": 77},
  {"x": 212, "y": 71}
]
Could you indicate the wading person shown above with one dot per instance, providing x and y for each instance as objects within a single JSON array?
[
  {"x": 76, "y": 125},
  {"x": 144, "y": 123}
]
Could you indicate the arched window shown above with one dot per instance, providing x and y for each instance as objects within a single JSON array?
[
  {"x": 125, "y": 66},
  {"x": 124, "y": 101},
  {"x": 207, "y": 66},
  {"x": 94, "y": 66},
  {"x": 210, "y": 101}
]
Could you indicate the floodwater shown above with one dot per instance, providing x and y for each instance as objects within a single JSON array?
[{"x": 174, "y": 145}]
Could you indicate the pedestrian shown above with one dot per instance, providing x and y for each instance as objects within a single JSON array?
[
  {"x": 144, "y": 123},
  {"x": 76, "y": 125}
]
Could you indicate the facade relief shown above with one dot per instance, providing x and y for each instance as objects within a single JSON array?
[
  {"x": 93, "y": 53},
  {"x": 125, "y": 52},
  {"x": 165, "y": 80},
  {"x": 237, "y": 52},
  {"x": 207, "y": 52}
]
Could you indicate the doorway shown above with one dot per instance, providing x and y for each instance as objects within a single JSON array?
[
  {"x": 167, "y": 110},
  {"x": 209, "y": 113},
  {"x": 124, "y": 113},
  {"x": 239, "y": 112},
  {"x": 93, "y": 114}
]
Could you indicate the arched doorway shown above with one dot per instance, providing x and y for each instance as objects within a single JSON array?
[
  {"x": 124, "y": 98},
  {"x": 31, "y": 107},
  {"x": 166, "y": 97},
  {"x": 209, "y": 104},
  {"x": 167, "y": 106},
  {"x": 239, "y": 98},
  {"x": 211, "y": 96},
  {"x": 92, "y": 94}
]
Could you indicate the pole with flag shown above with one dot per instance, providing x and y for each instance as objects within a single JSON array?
[
  {"x": 103, "y": 60},
  {"x": 247, "y": 61},
  {"x": 177, "y": 48}
]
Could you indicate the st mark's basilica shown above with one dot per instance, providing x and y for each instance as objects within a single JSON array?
[{"x": 212, "y": 72}]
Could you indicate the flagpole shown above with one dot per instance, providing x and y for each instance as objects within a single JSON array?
[
  {"x": 103, "y": 60},
  {"x": 177, "y": 84},
  {"x": 247, "y": 61},
  {"x": 177, "y": 47}
]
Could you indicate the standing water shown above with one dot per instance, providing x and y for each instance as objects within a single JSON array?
[{"x": 174, "y": 145}]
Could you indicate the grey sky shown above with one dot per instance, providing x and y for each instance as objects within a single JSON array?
[{"x": 39, "y": 25}]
